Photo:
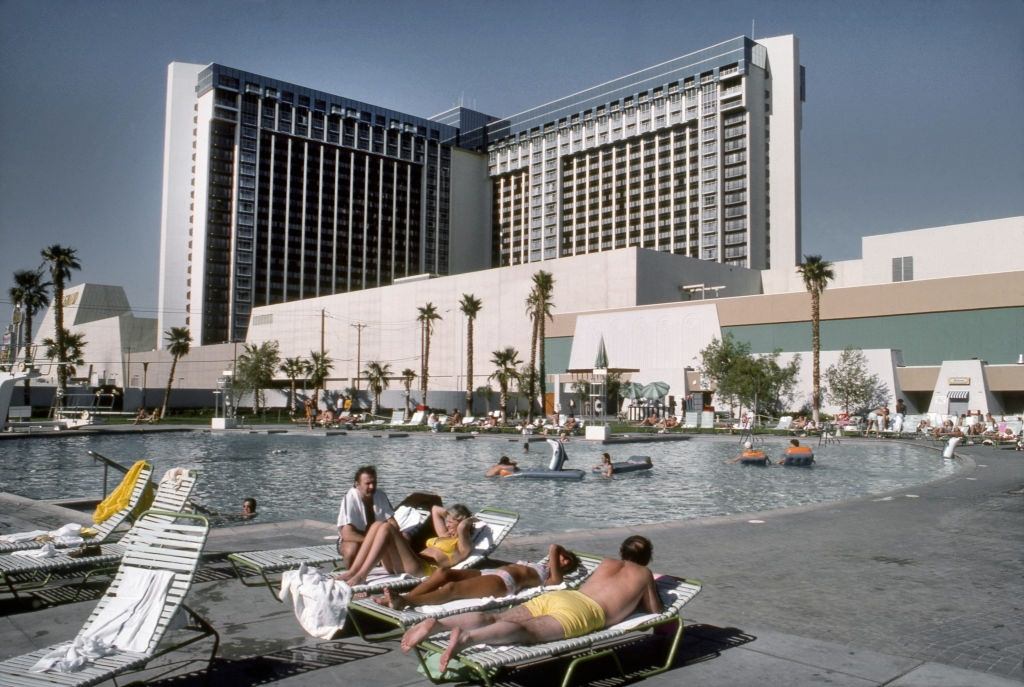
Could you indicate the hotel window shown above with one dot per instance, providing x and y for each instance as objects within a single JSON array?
[{"x": 903, "y": 268}]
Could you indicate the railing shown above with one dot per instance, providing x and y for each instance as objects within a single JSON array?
[{"x": 107, "y": 464}]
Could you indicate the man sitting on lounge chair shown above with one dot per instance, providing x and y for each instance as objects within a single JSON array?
[{"x": 609, "y": 596}]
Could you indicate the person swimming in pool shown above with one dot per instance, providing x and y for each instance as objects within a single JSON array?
[
  {"x": 446, "y": 585},
  {"x": 609, "y": 596},
  {"x": 386, "y": 546}
]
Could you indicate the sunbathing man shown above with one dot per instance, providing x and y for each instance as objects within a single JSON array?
[
  {"x": 385, "y": 545},
  {"x": 609, "y": 596},
  {"x": 446, "y": 585},
  {"x": 363, "y": 505}
]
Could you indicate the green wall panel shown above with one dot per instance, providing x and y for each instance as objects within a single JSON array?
[{"x": 995, "y": 335}]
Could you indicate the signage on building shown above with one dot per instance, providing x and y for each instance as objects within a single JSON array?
[{"x": 959, "y": 381}]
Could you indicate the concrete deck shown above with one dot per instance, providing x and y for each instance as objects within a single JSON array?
[{"x": 919, "y": 587}]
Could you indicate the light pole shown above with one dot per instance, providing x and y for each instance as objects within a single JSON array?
[{"x": 359, "y": 326}]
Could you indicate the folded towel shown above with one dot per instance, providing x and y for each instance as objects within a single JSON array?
[
  {"x": 410, "y": 518},
  {"x": 320, "y": 601}
]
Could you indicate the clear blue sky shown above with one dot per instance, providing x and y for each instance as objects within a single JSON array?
[{"x": 914, "y": 114}]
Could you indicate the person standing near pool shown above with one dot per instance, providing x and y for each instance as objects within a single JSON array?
[{"x": 363, "y": 505}]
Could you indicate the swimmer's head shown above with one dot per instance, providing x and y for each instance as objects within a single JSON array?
[{"x": 747, "y": 445}]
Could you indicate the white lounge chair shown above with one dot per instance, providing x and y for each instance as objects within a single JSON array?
[
  {"x": 784, "y": 423},
  {"x": 418, "y": 418},
  {"x": 493, "y": 525},
  {"x": 164, "y": 548},
  {"x": 105, "y": 529},
  {"x": 22, "y": 572},
  {"x": 400, "y": 620},
  {"x": 487, "y": 663}
]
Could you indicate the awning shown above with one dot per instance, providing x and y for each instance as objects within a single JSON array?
[{"x": 958, "y": 395}]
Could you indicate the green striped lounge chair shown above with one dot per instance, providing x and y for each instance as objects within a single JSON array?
[
  {"x": 398, "y": 621},
  {"x": 487, "y": 663},
  {"x": 493, "y": 525},
  {"x": 161, "y": 543},
  {"x": 105, "y": 529},
  {"x": 22, "y": 573}
]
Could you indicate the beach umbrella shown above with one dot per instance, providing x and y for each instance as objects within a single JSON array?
[
  {"x": 655, "y": 391},
  {"x": 631, "y": 390},
  {"x": 601, "y": 362}
]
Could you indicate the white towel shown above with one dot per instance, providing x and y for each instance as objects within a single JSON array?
[
  {"x": 16, "y": 537},
  {"x": 176, "y": 475},
  {"x": 68, "y": 535},
  {"x": 47, "y": 550},
  {"x": 410, "y": 518},
  {"x": 320, "y": 601},
  {"x": 127, "y": 622}
]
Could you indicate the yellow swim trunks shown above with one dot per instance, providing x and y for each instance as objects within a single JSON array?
[{"x": 576, "y": 612}]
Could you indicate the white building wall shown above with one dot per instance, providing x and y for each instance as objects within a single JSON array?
[{"x": 175, "y": 200}]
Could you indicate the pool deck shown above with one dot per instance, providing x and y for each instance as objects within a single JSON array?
[{"x": 921, "y": 587}]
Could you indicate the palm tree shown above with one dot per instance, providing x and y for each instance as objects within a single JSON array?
[
  {"x": 293, "y": 368},
  {"x": 255, "y": 369},
  {"x": 62, "y": 260},
  {"x": 408, "y": 375},
  {"x": 377, "y": 380},
  {"x": 532, "y": 299},
  {"x": 543, "y": 288},
  {"x": 320, "y": 366},
  {"x": 817, "y": 273},
  {"x": 470, "y": 306},
  {"x": 506, "y": 361},
  {"x": 29, "y": 292},
  {"x": 179, "y": 341},
  {"x": 74, "y": 348},
  {"x": 428, "y": 315}
]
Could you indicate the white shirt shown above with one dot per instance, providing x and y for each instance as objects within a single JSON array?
[{"x": 352, "y": 511}]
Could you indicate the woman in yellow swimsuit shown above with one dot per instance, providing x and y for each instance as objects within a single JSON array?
[{"x": 385, "y": 545}]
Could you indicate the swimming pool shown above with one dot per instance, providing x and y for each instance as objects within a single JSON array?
[{"x": 299, "y": 475}]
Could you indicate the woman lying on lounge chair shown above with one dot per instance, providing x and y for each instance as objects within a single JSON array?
[
  {"x": 446, "y": 585},
  {"x": 385, "y": 545}
]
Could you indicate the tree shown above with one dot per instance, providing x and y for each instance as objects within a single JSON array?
[
  {"x": 74, "y": 347},
  {"x": 851, "y": 386},
  {"x": 718, "y": 359},
  {"x": 61, "y": 260},
  {"x": 179, "y": 341},
  {"x": 293, "y": 368},
  {"x": 428, "y": 315},
  {"x": 540, "y": 307},
  {"x": 816, "y": 273},
  {"x": 756, "y": 381},
  {"x": 408, "y": 376},
  {"x": 30, "y": 294},
  {"x": 254, "y": 370},
  {"x": 377, "y": 380},
  {"x": 506, "y": 361},
  {"x": 320, "y": 366},
  {"x": 470, "y": 306}
]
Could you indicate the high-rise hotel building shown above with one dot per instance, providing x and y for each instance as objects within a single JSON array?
[
  {"x": 698, "y": 156},
  {"x": 274, "y": 192}
]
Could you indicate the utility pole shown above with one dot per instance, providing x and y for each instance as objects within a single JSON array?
[{"x": 360, "y": 326}]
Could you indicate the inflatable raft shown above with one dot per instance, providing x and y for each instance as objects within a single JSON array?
[
  {"x": 754, "y": 458},
  {"x": 554, "y": 470},
  {"x": 634, "y": 464},
  {"x": 798, "y": 456}
]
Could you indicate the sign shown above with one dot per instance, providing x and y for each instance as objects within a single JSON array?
[{"x": 959, "y": 381}]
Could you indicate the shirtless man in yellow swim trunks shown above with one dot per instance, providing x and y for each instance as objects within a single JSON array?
[{"x": 609, "y": 596}]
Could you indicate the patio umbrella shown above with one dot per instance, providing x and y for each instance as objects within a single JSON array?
[
  {"x": 655, "y": 391},
  {"x": 601, "y": 362},
  {"x": 631, "y": 390}
]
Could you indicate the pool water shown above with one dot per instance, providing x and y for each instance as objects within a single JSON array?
[{"x": 298, "y": 475}]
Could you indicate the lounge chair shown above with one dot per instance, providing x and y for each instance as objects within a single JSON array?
[
  {"x": 399, "y": 621},
  {"x": 487, "y": 663},
  {"x": 397, "y": 418},
  {"x": 493, "y": 525},
  {"x": 104, "y": 530},
  {"x": 162, "y": 545},
  {"x": 20, "y": 572},
  {"x": 784, "y": 423}
]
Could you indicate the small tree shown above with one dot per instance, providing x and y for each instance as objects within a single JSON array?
[
  {"x": 408, "y": 377},
  {"x": 506, "y": 361},
  {"x": 718, "y": 359},
  {"x": 293, "y": 368},
  {"x": 851, "y": 386},
  {"x": 320, "y": 366},
  {"x": 179, "y": 342},
  {"x": 377, "y": 380},
  {"x": 254, "y": 370},
  {"x": 74, "y": 348}
]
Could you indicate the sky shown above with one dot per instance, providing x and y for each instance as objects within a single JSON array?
[{"x": 913, "y": 115}]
